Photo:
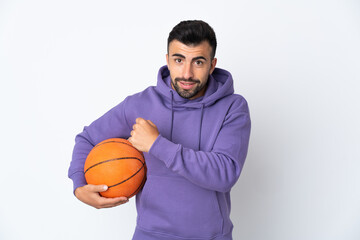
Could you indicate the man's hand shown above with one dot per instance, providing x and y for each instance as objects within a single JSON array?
[
  {"x": 143, "y": 135},
  {"x": 89, "y": 194}
]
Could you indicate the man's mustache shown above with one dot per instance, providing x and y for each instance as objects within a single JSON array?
[{"x": 187, "y": 80}]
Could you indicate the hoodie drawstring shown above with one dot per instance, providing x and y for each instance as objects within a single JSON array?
[
  {"x": 172, "y": 115},
  {"x": 200, "y": 127}
]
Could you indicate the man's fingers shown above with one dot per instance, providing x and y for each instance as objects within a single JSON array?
[
  {"x": 139, "y": 120},
  {"x": 90, "y": 194},
  {"x": 112, "y": 202}
]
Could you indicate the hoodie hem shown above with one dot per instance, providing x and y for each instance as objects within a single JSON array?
[{"x": 143, "y": 234}]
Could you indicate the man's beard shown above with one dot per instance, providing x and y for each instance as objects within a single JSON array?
[{"x": 187, "y": 93}]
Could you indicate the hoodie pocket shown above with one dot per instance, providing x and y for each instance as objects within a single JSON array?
[{"x": 177, "y": 207}]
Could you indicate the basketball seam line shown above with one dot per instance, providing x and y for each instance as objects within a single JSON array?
[
  {"x": 110, "y": 160},
  {"x": 114, "y": 141},
  {"x": 127, "y": 178},
  {"x": 140, "y": 186}
]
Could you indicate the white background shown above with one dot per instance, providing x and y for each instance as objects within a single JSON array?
[{"x": 65, "y": 63}]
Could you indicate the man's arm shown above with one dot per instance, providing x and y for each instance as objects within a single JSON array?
[
  {"x": 111, "y": 124},
  {"x": 218, "y": 169}
]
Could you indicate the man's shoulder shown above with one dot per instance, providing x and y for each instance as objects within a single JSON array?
[
  {"x": 149, "y": 92},
  {"x": 234, "y": 99},
  {"x": 145, "y": 97}
]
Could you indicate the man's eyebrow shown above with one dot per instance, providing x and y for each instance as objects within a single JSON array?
[
  {"x": 178, "y": 55},
  {"x": 197, "y": 58},
  {"x": 194, "y": 59}
]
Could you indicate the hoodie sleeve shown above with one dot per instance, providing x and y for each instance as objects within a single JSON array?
[
  {"x": 220, "y": 168},
  {"x": 111, "y": 125}
]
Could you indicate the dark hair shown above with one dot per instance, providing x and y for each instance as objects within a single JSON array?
[{"x": 193, "y": 32}]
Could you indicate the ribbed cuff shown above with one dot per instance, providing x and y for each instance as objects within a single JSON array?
[
  {"x": 164, "y": 150},
  {"x": 78, "y": 180}
]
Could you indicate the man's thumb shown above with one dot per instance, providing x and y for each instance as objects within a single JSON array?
[{"x": 100, "y": 188}]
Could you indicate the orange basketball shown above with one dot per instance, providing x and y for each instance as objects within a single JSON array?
[{"x": 117, "y": 164}]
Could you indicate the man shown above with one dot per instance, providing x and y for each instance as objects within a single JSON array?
[{"x": 194, "y": 132}]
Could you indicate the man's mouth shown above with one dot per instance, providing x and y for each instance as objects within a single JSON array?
[{"x": 186, "y": 85}]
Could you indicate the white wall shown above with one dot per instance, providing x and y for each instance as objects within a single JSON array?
[{"x": 65, "y": 63}]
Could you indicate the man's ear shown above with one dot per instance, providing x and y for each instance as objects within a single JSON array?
[
  {"x": 167, "y": 60},
  {"x": 213, "y": 65}
]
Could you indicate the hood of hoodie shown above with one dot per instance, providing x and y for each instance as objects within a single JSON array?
[{"x": 220, "y": 85}]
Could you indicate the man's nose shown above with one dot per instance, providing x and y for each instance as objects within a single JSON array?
[{"x": 188, "y": 71}]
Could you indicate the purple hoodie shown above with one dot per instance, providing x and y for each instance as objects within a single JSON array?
[{"x": 193, "y": 163}]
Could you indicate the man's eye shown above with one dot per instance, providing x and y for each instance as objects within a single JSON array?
[
  {"x": 199, "y": 63},
  {"x": 178, "y": 60}
]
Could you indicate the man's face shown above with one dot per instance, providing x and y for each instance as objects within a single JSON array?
[{"x": 190, "y": 67}]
